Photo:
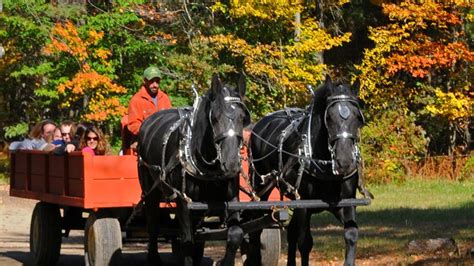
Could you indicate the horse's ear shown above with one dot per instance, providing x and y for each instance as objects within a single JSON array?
[
  {"x": 356, "y": 87},
  {"x": 328, "y": 81},
  {"x": 241, "y": 85},
  {"x": 215, "y": 85}
]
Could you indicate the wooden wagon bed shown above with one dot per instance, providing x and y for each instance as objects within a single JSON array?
[{"x": 76, "y": 179}]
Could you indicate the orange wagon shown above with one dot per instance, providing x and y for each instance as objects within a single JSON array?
[{"x": 99, "y": 194}]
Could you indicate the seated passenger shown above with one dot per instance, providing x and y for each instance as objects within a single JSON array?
[
  {"x": 39, "y": 138},
  {"x": 57, "y": 137},
  {"x": 73, "y": 145},
  {"x": 93, "y": 142},
  {"x": 68, "y": 129}
]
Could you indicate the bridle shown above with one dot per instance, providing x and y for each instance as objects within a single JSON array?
[
  {"x": 344, "y": 112},
  {"x": 228, "y": 132}
]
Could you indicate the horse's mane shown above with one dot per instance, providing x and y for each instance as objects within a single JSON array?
[
  {"x": 201, "y": 122},
  {"x": 319, "y": 98},
  {"x": 202, "y": 128}
]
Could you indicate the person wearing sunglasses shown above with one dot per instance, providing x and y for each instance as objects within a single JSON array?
[
  {"x": 93, "y": 142},
  {"x": 76, "y": 132}
]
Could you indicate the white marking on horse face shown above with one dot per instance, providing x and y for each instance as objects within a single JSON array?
[{"x": 231, "y": 132}]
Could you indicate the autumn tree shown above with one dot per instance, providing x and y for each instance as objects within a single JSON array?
[
  {"x": 89, "y": 94},
  {"x": 279, "y": 53},
  {"x": 421, "y": 63}
]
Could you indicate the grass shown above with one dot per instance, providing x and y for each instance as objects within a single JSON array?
[{"x": 400, "y": 213}]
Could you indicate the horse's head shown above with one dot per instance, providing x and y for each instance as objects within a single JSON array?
[
  {"x": 228, "y": 116},
  {"x": 343, "y": 118}
]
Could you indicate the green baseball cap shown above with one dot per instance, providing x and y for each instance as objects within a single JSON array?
[{"x": 151, "y": 73}]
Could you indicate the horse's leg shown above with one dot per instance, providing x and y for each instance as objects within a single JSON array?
[
  {"x": 151, "y": 213},
  {"x": 305, "y": 239},
  {"x": 198, "y": 252},
  {"x": 299, "y": 235},
  {"x": 292, "y": 238},
  {"x": 253, "y": 249},
  {"x": 151, "y": 210},
  {"x": 351, "y": 234},
  {"x": 347, "y": 215},
  {"x": 184, "y": 219},
  {"x": 235, "y": 234}
]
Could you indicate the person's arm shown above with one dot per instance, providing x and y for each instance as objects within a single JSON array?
[
  {"x": 135, "y": 117},
  {"x": 15, "y": 145},
  {"x": 66, "y": 148}
]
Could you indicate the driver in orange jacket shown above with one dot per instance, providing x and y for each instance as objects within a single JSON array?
[{"x": 148, "y": 100}]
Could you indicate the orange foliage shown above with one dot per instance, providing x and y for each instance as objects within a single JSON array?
[
  {"x": 418, "y": 55},
  {"x": 419, "y": 59},
  {"x": 97, "y": 91}
]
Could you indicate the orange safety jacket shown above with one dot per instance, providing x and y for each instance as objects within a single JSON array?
[{"x": 141, "y": 106}]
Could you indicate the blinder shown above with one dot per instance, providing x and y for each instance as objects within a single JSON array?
[
  {"x": 344, "y": 113},
  {"x": 231, "y": 132},
  {"x": 343, "y": 110}
]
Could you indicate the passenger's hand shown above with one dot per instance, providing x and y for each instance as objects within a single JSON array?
[
  {"x": 70, "y": 148},
  {"x": 134, "y": 145}
]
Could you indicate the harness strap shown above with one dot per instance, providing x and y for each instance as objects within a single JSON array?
[
  {"x": 185, "y": 156},
  {"x": 169, "y": 191},
  {"x": 164, "y": 168},
  {"x": 153, "y": 167},
  {"x": 292, "y": 127}
]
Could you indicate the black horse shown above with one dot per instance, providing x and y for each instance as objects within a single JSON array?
[
  {"x": 310, "y": 154},
  {"x": 193, "y": 154}
]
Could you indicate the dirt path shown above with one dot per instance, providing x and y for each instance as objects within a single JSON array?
[{"x": 15, "y": 216}]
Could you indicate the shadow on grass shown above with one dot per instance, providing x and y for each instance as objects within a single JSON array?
[{"x": 387, "y": 232}]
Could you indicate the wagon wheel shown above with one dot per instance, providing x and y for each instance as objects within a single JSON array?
[
  {"x": 271, "y": 246},
  {"x": 102, "y": 241},
  {"x": 45, "y": 234}
]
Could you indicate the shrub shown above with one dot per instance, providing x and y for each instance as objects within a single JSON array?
[
  {"x": 389, "y": 140},
  {"x": 16, "y": 130},
  {"x": 467, "y": 171}
]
